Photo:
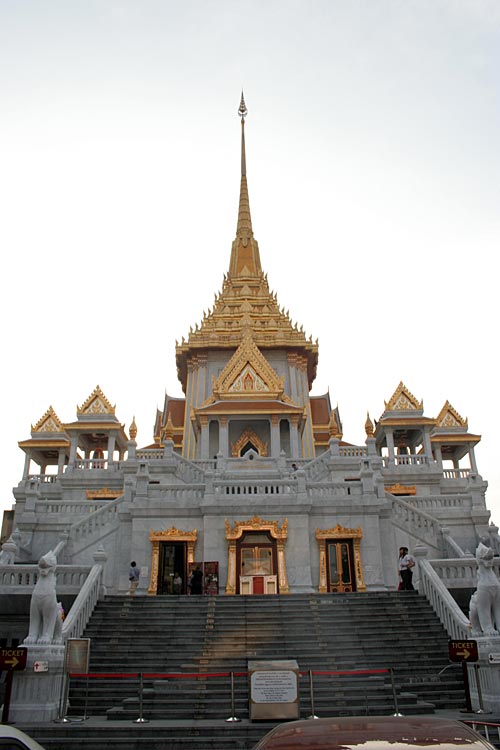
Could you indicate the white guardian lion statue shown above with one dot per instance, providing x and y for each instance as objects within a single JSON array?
[
  {"x": 484, "y": 608},
  {"x": 45, "y": 616}
]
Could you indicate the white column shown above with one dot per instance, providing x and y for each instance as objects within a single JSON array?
[
  {"x": 223, "y": 436},
  {"x": 275, "y": 436},
  {"x": 294, "y": 437},
  {"x": 204, "y": 437},
  {"x": 472, "y": 459},
  {"x": 73, "y": 449},
  {"x": 427, "y": 444},
  {"x": 111, "y": 447},
  {"x": 27, "y": 459},
  {"x": 438, "y": 454},
  {"x": 390, "y": 443}
]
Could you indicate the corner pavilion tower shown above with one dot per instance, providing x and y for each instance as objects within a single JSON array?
[{"x": 248, "y": 474}]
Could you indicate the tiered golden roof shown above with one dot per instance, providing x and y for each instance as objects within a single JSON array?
[{"x": 245, "y": 300}]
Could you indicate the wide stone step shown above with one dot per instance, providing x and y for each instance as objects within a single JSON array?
[{"x": 370, "y": 631}]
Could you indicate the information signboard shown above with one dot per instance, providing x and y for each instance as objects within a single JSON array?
[{"x": 77, "y": 656}]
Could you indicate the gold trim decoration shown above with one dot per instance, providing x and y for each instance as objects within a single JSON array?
[
  {"x": 103, "y": 494},
  {"x": 280, "y": 534},
  {"x": 402, "y": 489},
  {"x": 168, "y": 535},
  {"x": 97, "y": 403},
  {"x": 403, "y": 400},
  {"x": 50, "y": 422},
  {"x": 449, "y": 417},
  {"x": 248, "y": 375},
  {"x": 247, "y": 436},
  {"x": 340, "y": 532}
]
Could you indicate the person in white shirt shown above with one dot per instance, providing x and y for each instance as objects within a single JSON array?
[{"x": 405, "y": 564}]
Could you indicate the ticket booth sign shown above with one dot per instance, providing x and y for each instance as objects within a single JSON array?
[
  {"x": 13, "y": 659},
  {"x": 463, "y": 651}
]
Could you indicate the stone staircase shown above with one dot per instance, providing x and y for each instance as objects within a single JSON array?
[{"x": 218, "y": 635}]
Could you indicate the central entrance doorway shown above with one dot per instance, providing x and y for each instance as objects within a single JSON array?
[
  {"x": 172, "y": 564},
  {"x": 257, "y": 563},
  {"x": 256, "y": 557}
]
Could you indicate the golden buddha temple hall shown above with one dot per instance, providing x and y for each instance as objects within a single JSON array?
[{"x": 248, "y": 476}]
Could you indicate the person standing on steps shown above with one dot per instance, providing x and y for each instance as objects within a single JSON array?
[
  {"x": 177, "y": 584},
  {"x": 405, "y": 564},
  {"x": 133, "y": 576},
  {"x": 196, "y": 581}
]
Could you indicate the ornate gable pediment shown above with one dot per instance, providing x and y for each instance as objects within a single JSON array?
[
  {"x": 248, "y": 374},
  {"x": 448, "y": 418},
  {"x": 403, "y": 400},
  {"x": 97, "y": 403},
  {"x": 50, "y": 422},
  {"x": 249, "y": 436}
]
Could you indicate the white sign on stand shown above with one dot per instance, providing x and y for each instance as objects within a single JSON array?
[
  {"x": 494, "y": 658},
  {"x": 274, "y": 687}
]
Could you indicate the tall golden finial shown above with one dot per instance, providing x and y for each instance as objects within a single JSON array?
[
  {"x": 242, "y": 111},
  {"x": 245, "y": 258}
]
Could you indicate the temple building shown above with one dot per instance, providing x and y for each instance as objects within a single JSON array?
[{"x": 248, "y": 475}]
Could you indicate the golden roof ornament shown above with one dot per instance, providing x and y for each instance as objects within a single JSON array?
[
  {"x": 368, "y": 426},
  {"x": 169, "y": 428},
  {"x": 133, "y": 429},
  {"x": 333, "y": 427}
]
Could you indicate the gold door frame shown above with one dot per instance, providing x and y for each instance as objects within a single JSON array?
[
  {"x": 340, "y": 532},
  {"x": 257, "y": 524},
  {"x": 168, "y": 535}
]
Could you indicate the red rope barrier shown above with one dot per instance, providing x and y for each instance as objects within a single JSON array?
[
  {"x": 197, "y": 675},
  {"x": 349, "y": 671}
]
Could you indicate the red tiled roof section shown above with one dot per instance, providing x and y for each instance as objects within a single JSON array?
[
  {"x": 176, "y": 408},
  {"x": 320, "y": 409}
]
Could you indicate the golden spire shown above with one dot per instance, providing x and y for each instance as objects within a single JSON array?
[
  {"x": 245, "y": 258},
  {"x": 368, "y": 426}
]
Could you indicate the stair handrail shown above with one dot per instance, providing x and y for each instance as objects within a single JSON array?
[
  {"x": 84, "y": 604},
  {"x": 427, "y": 522},
  {"x": 318, "y": 467},
  {"x": 103, "y": 510},
  {"x": 456, "y": 624},
  {"x": 453, "y": 545}
]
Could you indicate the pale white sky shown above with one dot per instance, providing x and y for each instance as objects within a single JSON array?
[{"x": 373, "y": 168}]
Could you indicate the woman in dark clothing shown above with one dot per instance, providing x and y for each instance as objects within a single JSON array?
[{"x": 196, "y": 581}]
